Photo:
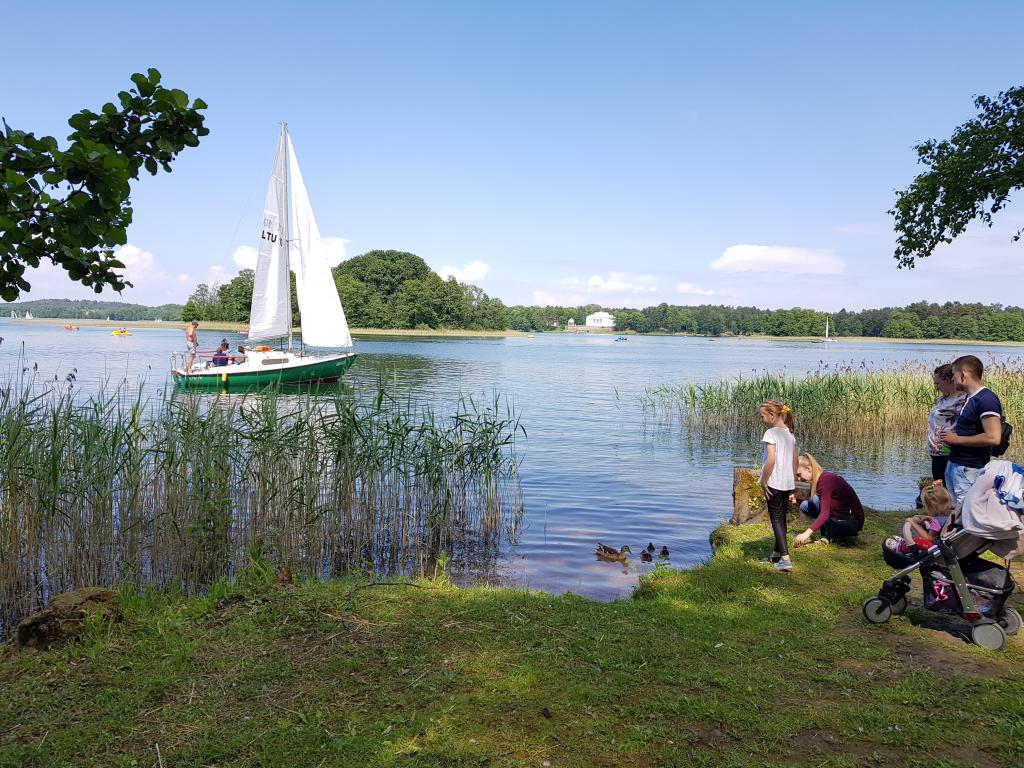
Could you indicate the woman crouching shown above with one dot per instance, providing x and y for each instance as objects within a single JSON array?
[{"x": 834, "y": 507}]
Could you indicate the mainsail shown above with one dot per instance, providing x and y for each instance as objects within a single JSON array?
[
  {"x": 323, "y": 319},
  {"x": 271, "y": 314}
]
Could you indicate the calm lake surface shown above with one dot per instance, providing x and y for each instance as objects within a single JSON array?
[{"x": 594, "y": 465}]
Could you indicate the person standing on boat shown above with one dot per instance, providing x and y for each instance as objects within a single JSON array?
[
  {"x": 191, "y": 343},
  {"x": 978, "y": 428}
]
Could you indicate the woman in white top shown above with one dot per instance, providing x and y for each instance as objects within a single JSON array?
[{"x": 778, "y": 476}]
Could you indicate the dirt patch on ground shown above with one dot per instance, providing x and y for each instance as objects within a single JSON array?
[{"x": 938, "y": 645}]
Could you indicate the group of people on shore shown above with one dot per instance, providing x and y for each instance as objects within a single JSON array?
[
  {"x": 965, "y": 426},
  {"x": 221, "y": 356}
]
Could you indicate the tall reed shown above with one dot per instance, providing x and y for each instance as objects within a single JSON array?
[
  {"x": 117, "y": 489},
  {"x": 847, "y": 404}
]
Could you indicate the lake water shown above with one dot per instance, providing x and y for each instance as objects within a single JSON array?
[{"x": 594, "y": 466}]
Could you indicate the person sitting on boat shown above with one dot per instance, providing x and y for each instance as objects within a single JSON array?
[
  {"x": 239, "y": 356},
  {"x": 221, "y": 356},
  {"x": 834, "y": 506}
]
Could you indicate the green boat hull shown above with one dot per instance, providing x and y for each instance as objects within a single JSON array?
[{"x": 225, "y": 380}]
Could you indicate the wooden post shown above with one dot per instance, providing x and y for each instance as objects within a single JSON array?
[{"x": 748, "y": 505}]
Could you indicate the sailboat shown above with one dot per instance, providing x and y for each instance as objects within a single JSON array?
[
  {"x": 289, "y": 242},
  {"x": 827, "y": 336},
  {"x": 28, "y": 316},
  {"x": 14, "y": 315}
]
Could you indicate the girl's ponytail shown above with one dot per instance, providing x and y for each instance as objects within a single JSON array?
[{"x": 778, "y": 408}]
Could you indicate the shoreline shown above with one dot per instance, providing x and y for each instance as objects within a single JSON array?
[
  {"x": 218, "y": 325},
  {"x": 691, "y": 670},
  {"x": 233, "y": 327}
]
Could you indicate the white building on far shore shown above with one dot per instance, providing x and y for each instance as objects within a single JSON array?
[{"x": 601, "y": 320}]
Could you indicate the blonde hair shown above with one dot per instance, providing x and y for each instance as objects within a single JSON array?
[
  {"x": 807, "y": 460},
  {"x": 778, "y": 408},
  {"x": 937, "y": 500}
]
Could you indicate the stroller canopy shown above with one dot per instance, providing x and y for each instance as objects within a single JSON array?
[{"x": 993, "y": 507}]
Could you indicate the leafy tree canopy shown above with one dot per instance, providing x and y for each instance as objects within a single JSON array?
[
  {"x": 71, "y": 205},
  {"x": 970, "y": 176}
]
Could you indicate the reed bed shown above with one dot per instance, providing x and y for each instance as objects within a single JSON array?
[
  {"x": 183, "y": 491},
  {"x": 848, "y": 403}
]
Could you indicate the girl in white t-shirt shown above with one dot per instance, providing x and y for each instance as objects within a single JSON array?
[{"x": 778, "y": 477}]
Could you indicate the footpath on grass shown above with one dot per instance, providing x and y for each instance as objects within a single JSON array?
[{"x": 726, "y": 664}]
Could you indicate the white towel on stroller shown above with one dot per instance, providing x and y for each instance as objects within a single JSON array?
[{"x": 993, "y": 507}]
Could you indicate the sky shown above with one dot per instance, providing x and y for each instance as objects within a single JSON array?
[{"x": 615, "y": 153}]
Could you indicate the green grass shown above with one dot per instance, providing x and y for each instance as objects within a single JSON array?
[{"x": 727, "y": 664}]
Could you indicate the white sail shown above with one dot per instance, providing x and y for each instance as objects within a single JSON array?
[
  {"x": 271, "y": 313},
  {"x": 323, "y": 319}
]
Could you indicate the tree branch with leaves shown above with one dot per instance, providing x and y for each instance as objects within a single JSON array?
[
  {"x": 71, "y": 206},
  {"x": 970, "y": 176}
]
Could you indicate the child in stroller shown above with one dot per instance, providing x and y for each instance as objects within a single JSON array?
[{"x": 956, "y": 578}]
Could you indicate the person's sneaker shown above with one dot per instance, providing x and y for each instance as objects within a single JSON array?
[
  {"x": 786, "y": 566},
  {"x": 770, "y": 560},
  {"x": 897, "y": 545}
]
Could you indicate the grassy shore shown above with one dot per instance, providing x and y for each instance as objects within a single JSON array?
[
  {"x": 727, "y": 664},
  {"x": 212, "y": 325}
]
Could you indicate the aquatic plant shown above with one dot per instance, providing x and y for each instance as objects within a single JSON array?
[
  {"x": 852, "y": 403},
  {"x": 183, "y": 491}
]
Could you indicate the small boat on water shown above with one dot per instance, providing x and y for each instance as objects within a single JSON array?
[
  {"x": 289, "y": 241},
  {"x": 827, "y": 337},
  {"x": 121, "y": 332},
  {"x": 28, "y": 316},
  {"x": 71, "y": 328},
  {"x": 622, "y": 338}
]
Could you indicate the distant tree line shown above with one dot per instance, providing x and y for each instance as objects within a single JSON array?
[
  {"x": 378, "y": 289},
  {"x": 952, "y": 320},
  {"x": 87, "y": 309}
]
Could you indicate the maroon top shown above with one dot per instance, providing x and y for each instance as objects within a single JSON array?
[{"x": 838, "y": 500}]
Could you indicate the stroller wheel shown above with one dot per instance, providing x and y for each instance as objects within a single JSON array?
[
  {"x": 988, "y": 635},
  {"x": 1010, "y": 622},
  {"x": 899, "y": 606},
  {"x": 876, "y": 610}
]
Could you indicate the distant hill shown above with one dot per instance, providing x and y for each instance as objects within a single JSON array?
[{"x": 84, "y": 309}]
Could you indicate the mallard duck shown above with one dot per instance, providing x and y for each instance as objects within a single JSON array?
[
  {"x": 605, "y": 552},
  {"x": 650, "y": 546},
  {"x": 646, "y": 556},
  {"x": 664, "y": 552}
]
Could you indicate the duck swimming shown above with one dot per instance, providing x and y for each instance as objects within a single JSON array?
[
  {"x": 646, "y": 556},
  {"x": 650, "y": 546},
  {"x": 604, "y": 552},
  {"x": 664, "y": 552}
]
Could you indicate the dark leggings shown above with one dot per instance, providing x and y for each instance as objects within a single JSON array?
[
  {"x": 778, "y": 506},
  {"x": 939, "y": 467}
]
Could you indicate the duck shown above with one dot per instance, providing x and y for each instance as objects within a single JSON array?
[
  {"x": 604, "y": 552},
  {"x": 646, "y": 556},
  {"x": 664, "y": 552},
  {"x": 650, "y": 546}
]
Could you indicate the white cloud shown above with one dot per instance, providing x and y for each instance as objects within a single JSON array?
[
  {"x": 151, "y": 284},
  {"x": 218, "y": 275},
  {"x": 244, "y": 257},
  {"x": 473, "y": 272},
  {"x": 779, "y": 258},
  {"x": 694, "y": 290},
  {"x": 622, "y": 282},
  {"x": 335, "y": 247}
]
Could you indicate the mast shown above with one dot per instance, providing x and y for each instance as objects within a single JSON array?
[{"x": 286, "y": 243}]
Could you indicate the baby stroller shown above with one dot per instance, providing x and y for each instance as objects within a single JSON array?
[{"x": 956, "y": 579}]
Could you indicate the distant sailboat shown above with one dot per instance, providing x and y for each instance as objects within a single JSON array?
[
  {"x": 14, "y": 315},
  {"x": 28, "y": 316},
  {"x": 827, "y": 336}
]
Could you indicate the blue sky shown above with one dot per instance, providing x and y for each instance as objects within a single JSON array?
[{"x": 550, "y": 152}]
